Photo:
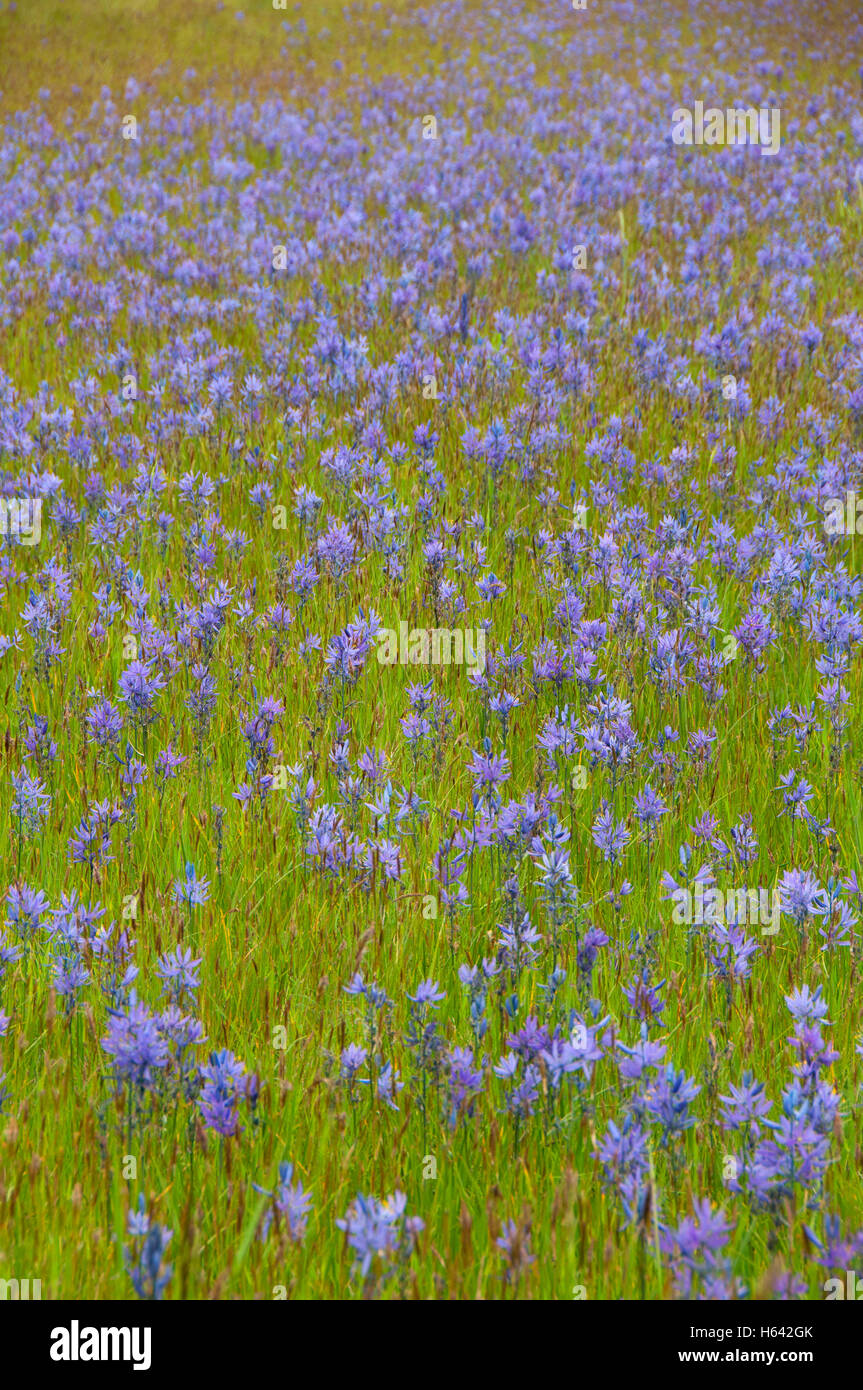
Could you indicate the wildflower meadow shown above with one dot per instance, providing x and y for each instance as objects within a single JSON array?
[{"x": 430, "y": 651}]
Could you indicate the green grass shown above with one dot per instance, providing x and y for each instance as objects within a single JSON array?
[{"x": 278, "y": 942}]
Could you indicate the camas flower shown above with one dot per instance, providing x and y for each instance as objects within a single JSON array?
[
  {"x": 380, "y": 1232},
  {"x": 191, "y": 890}
]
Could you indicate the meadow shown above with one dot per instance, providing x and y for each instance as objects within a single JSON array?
[{"x": 430, "y": 623}]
